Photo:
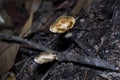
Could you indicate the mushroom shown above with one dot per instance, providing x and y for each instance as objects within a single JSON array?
[
  {"x": 45, "y": 57},
  {"x": 62, "y": 24}
]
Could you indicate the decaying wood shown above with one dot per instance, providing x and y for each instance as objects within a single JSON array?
[
  {"x": 24, "y": 41},
  {"x": 95, "y": 62},
  {"x": 64, "y": 56}
]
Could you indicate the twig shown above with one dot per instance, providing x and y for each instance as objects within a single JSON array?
[
  {"x": 5, "y": 76},
  {"x": 24, "y": 66},
  {"x": 9, "y": 75},
  {"x": 99, "y": 63},
  {"x": 83, "y": 47},
  {"x": 24, "y": 41},
  {"x": 20, "y": 62}
]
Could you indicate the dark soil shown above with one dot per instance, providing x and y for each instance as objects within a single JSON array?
[{"x": 98, "y": 29}]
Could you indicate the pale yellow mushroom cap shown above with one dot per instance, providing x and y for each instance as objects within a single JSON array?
[
  {"x": 45, "y": 57},
  {"x": 62, "y": 24}
]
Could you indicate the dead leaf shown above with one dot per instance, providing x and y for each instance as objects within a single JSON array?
[
  {"x": 9, "y": 52},
  {"x": 27, "y": 27},
  {"x": 81, "y": 4},
  {"x": 28, "y": 4},
  {"x": 7, "y": 57}
]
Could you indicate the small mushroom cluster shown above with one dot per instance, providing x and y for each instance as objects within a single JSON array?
[{"x": 61, "y": 25}]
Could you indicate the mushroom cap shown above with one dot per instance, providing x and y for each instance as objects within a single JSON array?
[
  {"x": 45, "y": 57},
  {"x": 62, "y": 24}
]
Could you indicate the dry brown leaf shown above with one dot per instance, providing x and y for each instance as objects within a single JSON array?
[
  {"x": 9, "y": 51},
  {"x": 81, "y": 4},
  {"x": 7, "y": 57},
  {"x": 27, "y": 27},
  {"x": 28, "y": 4}
]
